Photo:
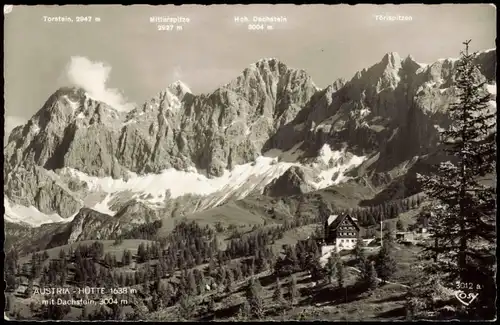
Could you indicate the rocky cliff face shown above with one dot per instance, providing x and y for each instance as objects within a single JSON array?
[
  {"x": 179, "y": 152},
  {"x": 175, "y": 129},
  {"x": 389, "y": 112}
]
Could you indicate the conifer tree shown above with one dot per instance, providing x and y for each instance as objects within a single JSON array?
[
  {"x": 399, "y": 225},
  {"x": 385, "y": 264},
  {"x": 293, "y": 291},
  {"x": 331, "y": 267},
  {"x": 278, "y": 294},
  {"x": 229, "y": 280},
  {"x": 464, "y": 209},
  {"x": 244, "y": 311},
  {"x": 255, "y": 298},
  {"x": 186, "y": 306},
  {"x": 358, "y": 249},
  {"x": 211, "y": 305},
  {"x": 192, "y": 285},
  {"x": 370, "y": 276},
  {"x": 340, "y": 274}
]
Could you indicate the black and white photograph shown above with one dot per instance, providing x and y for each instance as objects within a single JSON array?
[{"x": 250, "y": 162}]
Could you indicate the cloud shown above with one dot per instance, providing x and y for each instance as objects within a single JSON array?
[{"x": 92, "y": 76}]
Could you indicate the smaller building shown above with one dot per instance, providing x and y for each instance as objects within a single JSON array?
[{"x": 405, "y": 235}]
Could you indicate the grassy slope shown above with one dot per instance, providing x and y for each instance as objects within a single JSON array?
[{"x": 322, "y": 302}]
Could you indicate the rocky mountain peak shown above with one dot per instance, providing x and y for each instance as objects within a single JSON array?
[
  {"x": 179, "y": 89},
  {"x": 410, "y": 65},
  {"x": 268, "y": 66},
  {"x": 62, "y": 102},
  {"x": 392, "y": 60},
  {"x": 337, "y": 84}
]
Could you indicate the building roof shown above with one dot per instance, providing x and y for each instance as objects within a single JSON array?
[
  {"x": 332, "y": 218},
  {"x": 335, "y": 220}
]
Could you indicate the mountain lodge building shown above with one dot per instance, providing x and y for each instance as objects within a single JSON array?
[{"x": 341, "y": 231}]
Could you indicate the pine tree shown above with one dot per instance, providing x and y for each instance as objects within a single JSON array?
[
  {"x": 229, "y": 280},
  {"x": 464, "y": 209},
  {"x": 244, "y": 311},
  {"x": 331, "y": 267},
  {"x": 211, "y": 305},
  {"x": 29, "y": 289},
  {"x": 399, "y": 225},
  {"x": 368, "y": 276},
  {"x": 255, "y": 299},
  {"x": 186, "y": 306},
  {"x": 126, "y": 257},
  {"x": 278, "y": 294},
  {"x": 371, "y": 279},
  {"x": 191, "y": 283},
  {"x": 293, "y": 291},
  {"x": 389, "y": 239},
  {"x": 340, "y": 274},
  {"x": 385, "y": 264},
  {"x": 359, "y": 248},
  {"x": 315, "y": 269}
]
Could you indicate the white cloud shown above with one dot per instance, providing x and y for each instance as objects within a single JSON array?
[{"x": 92, "y": 76}]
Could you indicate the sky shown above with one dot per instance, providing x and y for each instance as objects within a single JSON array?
[{"x": 124, "y": 58}]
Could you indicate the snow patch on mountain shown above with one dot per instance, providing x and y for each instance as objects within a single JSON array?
[
  {"x": 492, "y": 89},
  {"x": 103, "y": 206},
  {"x": 256, "y": 175},
  {"x": 173, "y": 101},
  {"x": 364, "y": 112},
  {"x": 72, "y": 104},
  {"x": 35, "y": 129},
  {"x": 326, "y": 154},
  {"x": 438, "y": 128},
  {"x": 339, "y": 162},
  {"x": 29, "y": 215}
]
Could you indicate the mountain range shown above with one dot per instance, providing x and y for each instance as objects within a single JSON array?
[{"x": 91, "y": 171}]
